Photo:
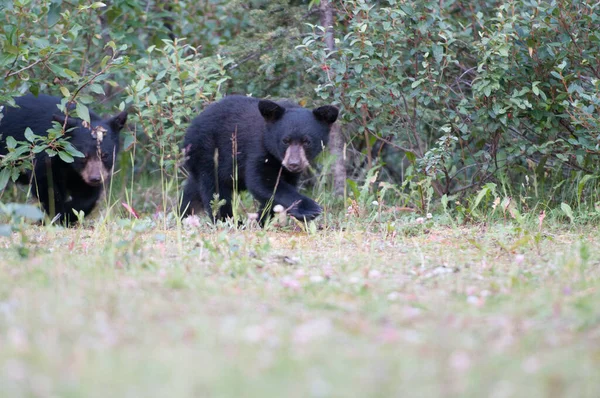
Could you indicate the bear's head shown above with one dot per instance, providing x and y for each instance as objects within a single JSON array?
[
  {"x": 99, "y": 143},
  {"x": 296, "y": 135}
]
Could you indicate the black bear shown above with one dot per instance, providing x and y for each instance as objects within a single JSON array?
[
  {"x": 63, "y": 187},
  {"x": 274, "y": 141}
]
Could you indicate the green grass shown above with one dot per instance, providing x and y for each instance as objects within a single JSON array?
[{"x": 131, "y": 309}]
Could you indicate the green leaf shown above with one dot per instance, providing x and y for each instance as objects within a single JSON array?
[
  {"x": 42, "y": 42},
  {"x": 4, "y": 176},
  {"x": 65, "y": 157},
  {"x": 411, "y": 157},
  {"x": 71, "y": 150},
  {"x": 489, "y": 187},
  {"x": 29, "y": 212},
  {"x": 581, "y": 184},
  {"x": 65, "y": 91},
  {"x": 312, "y": 227},
  {"x": 15, "y": 174},
  {"x": 97, "y": 88},
  {"x": 354, "y": 188},
  {"x": 34, "y": 88},
  {"x": 29, "y": 136},
  {"x": 53, "y": 14},
  {"x": 5, "y": 230},
  {"x": 11, "y": 143},
  {"x": 128, "y": 141},
  {"x": 556, "y": 75},
  {"x": 73, "y": 75},
  {"x": 39, "y": 148},
  {"x": 567, "y": 210},
  {"x": 104, "y": 60},
  {"x": 438, "y": 53},
  {"x": 140, "y": 85},
  {"x": 444, "y": 201},
  {"x": 480, "y": 196},
  {"x": 416, "y": 83},
  {"x": 82, "y": 112},
  {"x": 10, "y": 49}
]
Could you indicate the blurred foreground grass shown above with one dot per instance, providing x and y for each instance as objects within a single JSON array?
[{"x": 134, "y": 311}]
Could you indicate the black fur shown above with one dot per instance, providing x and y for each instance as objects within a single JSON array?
[
  {"x": 51, "y": 175},
  {"x": 263, "y": 131}
]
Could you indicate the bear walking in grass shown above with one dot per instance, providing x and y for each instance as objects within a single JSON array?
[
  {"x": 63, "y": 187},
  {"x": 274, "y": 141}
]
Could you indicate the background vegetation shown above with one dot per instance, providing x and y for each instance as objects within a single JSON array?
[{"x": 439, "y": 99}]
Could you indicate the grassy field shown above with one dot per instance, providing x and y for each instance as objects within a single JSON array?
[{"x": 131, "y": 309}]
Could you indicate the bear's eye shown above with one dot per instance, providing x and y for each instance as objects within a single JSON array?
[
  {"x": 104, "y": 156},
  {"x": 306, "y": 141},
  {"x": 286, "y": 141}
]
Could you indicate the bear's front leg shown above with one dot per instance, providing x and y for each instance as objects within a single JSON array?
[
  {"x": 266, "y": 185},
  {"x": 81, "y": 201},
  {"x": 305, "y": 209},
  {"x": 191, "y": 202}
]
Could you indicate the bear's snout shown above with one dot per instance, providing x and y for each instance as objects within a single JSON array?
[
  {"x": 94, "y": 173},
  {"x": 295, "y": 158}
]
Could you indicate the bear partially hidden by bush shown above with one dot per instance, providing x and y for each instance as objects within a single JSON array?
[
  {"x": 275, "y": 142},
  {"x": 63, "y": 187}
]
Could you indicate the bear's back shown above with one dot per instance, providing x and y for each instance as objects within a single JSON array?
[
  {"x": 234, "y": 114},
  {"x": 33, "y": 112},
  {"x": 227, "y": 116}
]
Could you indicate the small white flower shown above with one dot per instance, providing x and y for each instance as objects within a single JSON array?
[
  {"x": 192, "y": 221},
  {"x": 393, "y": 296},
  {"x": 460, "y": 360},
  {"x": 375, "y": 203},
  {"x": 278, "y": 208},
  {"x": 429, "y": 215},
  {"x": 374, "y": 274}
]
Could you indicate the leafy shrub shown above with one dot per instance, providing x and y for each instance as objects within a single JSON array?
[
  {"x": 46, "y": 50},
  {"x": 468, "y": 93},
  {"x": 442, "y": 100},
  {"x": 168, "y": 89}
]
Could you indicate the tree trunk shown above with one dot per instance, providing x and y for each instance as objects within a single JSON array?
[{"x": 336, "y": 138}]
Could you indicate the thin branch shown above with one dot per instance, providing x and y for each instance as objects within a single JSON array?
[{"x": 9, "y": 74}]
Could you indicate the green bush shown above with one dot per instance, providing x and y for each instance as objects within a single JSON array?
[
  {"x": 167, "y": 91},
  {"x": 441, "y": 98},
  {"x": 46, "y": 48},
  {"x": 468, "y": 93}
]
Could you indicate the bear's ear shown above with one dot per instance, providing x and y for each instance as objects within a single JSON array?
[
  {"x": 327, "y": 114},
  {"x": 270, "y": 110},
  {"x": 118, "y": 122}
]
